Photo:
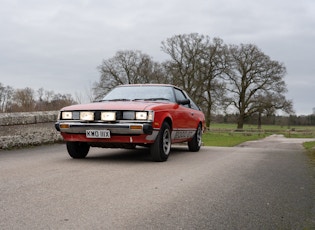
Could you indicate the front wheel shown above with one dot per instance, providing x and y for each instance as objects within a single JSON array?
[
  {"x": 161, "y": 148},
  {"x": 195, "y": 144},
  {"x": 78, "y": 150}
]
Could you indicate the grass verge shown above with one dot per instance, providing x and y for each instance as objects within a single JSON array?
[
  {"x": 310, "y": 147},
  {"x": 225, "y": 135},
  {"x": 228, "y": 139}
]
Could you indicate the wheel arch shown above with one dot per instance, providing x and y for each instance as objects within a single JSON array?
[{"x": 169, "y": 121}]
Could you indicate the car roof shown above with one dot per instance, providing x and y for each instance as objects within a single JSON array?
[{"x": 149, "y": 84}]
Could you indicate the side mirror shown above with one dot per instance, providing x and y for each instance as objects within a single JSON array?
[{"x": 183, "y": 102}]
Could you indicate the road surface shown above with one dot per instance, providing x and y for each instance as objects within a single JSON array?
[{"x": 267, "y": 184}]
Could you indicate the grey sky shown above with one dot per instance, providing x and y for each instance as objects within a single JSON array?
[{"x": 58, "y": 44}]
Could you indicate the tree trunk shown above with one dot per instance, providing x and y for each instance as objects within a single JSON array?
[
  {"x": 208, "y": 116},
  {"x": 240, "y": 121},
  {"x": 240, "y": 124},
  {"x": 259, "y": 120}
]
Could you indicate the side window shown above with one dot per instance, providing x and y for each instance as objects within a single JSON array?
[
  {"x": 193, "y": 105},
  {"x": 180, "y": 96}
]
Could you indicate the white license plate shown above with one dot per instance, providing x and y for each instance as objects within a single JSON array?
[{"x": 97, "y": 133}]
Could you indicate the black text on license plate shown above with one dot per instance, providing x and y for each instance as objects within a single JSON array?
[{"x": 97, "y": 133}]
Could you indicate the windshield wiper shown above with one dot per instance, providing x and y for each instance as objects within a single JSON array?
[
  {"x": 117, "y": 99},
  {"x": 152, "y": 99}
]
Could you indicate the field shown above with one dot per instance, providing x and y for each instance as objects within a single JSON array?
[{"x": 227, "y": 135}]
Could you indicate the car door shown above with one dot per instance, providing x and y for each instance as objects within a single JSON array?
[{"x": 184, "y": 120}]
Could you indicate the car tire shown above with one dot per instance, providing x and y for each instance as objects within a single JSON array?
[
  {"x": 161, "y": 148},
  {"x": 78, "y": 150},
  {"x": 195, "y": 144}
]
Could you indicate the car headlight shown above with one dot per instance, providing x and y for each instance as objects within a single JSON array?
[
  {"x": 66, "y": 115},
  {"x": 87, "y": 116},
  {"x": 141, "y": 115},
  {"x": 138, "y": 115},
  {"x": 108, "y": 116}
]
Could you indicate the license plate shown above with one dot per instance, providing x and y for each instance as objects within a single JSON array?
[{"x": 97, "y": 133}]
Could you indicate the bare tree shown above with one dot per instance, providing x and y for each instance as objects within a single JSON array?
[
  {"x": 28, "y": 100},
  {"x": 24, "y": 100},
  {"x": 186, "y": 52},
  {"x": 40, "y": 93},
  {"x": 127, "y": 67},
  {"x": 252, "y": 78},
  {"x": 269, "y": 103},
  {"x": 60, "y": 100},
  {"x": 2, "y": 96},
  {"x": 197, "y": 64},
  {"x": 6, "y": 95},
  {"x": 40, "y": 102},
  {"x": 213, "y": 66},
  {"x": 48, "y": 95}
]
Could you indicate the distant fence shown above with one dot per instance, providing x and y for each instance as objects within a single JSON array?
[{"x": 27, "y": 129}]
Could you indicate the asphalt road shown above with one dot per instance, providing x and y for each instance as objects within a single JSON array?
[{"x": 267, "y": 184}]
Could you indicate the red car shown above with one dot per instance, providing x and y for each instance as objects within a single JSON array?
[{"x": 152, "y": 115}]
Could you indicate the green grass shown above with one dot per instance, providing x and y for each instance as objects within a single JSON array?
[
  {"x": 310, "y": 147},
  {"x": 228, "y": 139},
  {"x": 225, "y": 134}
]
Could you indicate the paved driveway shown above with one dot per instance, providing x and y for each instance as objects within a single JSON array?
[{"x": 266, "y": 184}]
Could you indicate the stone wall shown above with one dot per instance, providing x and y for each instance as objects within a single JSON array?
[{"x": 28, "y": 129}]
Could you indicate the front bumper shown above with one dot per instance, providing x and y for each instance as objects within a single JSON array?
[
  {"x": 126, "y": 133},
  {"x": 117, "y": 128}
]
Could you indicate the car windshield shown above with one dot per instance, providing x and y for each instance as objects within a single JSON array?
[{"x": 134, "y": 93}]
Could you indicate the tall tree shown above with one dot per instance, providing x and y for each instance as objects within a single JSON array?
[
  {"x": 127, "y": 67},
  {"x": 213, "y": 66},
  {"x": 254, "y": 81},
  {"x": 185, "y": 52},
  {"x": 196, "y": 65}
]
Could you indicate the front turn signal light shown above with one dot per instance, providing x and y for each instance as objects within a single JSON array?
[
  {"x": 64, "y": 126},
  {"x": 135, "y": 127}
]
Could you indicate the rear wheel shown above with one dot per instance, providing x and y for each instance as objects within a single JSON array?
[
  {"x": 161, "y": 148},
  {"x": 78, "y": 150},
  {"x": 195, "y": 144}
]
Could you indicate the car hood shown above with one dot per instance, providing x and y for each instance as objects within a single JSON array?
[{"x": 116, "y": 105}]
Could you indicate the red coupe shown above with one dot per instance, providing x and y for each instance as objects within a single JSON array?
[{"x": 152, "y": 115}]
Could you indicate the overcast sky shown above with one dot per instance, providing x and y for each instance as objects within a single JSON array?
[{"x": 58, "y": 44}]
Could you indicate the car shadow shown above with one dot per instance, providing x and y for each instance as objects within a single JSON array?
[
  {"x": 126, "y": 155},
  {"x": 139, "y": 154}
]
